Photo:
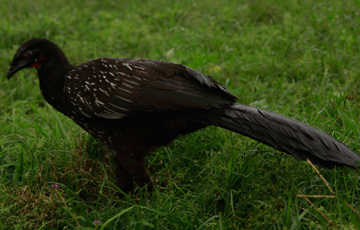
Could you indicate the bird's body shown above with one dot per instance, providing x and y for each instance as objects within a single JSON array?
[{"x": 133, "y": 106}]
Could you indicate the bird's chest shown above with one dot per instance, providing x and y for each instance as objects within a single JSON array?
[
  {"x": 52, "y": 92},
  {"x": 55, "y": 100}
]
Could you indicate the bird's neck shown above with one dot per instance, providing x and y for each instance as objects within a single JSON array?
[{"x": 51, "y": 77}]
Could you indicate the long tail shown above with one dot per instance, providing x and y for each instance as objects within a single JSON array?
[{"x": 283, "y": 133}]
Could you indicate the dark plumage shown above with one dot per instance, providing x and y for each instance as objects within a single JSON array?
[{"x": 132, "y": 106}]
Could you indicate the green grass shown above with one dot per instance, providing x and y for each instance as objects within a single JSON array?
[{"x": 297, "y": 58}]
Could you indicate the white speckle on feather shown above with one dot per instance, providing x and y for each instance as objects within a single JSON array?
[
  {"x": 123, "y": 98},
  {"x": 127, "y": 65},
  {"x": 131, "y": 82}
]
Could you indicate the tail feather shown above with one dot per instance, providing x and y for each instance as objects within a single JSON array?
[{"x": 283, "y": 133}]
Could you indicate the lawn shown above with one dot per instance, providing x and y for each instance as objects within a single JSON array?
[{"x": 297, "y": 58}]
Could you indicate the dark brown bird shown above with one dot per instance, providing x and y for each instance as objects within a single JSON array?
[{"x": 133, "y": 106}]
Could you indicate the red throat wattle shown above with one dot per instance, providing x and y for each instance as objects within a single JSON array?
[{"x": 37, "y": 64}]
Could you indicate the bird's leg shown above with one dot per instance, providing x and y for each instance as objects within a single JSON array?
[
  {"x": 123, "y": 179},
  {"x": 131, "y": 167},
  {"x": 141, "y": 175}
]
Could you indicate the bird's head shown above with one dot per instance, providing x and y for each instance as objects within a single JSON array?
[{"x": 34, "y": 53}]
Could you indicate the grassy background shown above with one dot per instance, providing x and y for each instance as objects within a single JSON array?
[{"x": 297, "y": 58}]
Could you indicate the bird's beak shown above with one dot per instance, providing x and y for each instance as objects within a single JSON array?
[{"x": 13, "y": 70}]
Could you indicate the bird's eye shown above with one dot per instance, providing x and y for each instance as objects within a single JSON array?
[{"x": 25, "y": 56}]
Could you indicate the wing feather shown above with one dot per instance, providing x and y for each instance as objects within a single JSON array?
[{"x": 114, "y": 88}]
